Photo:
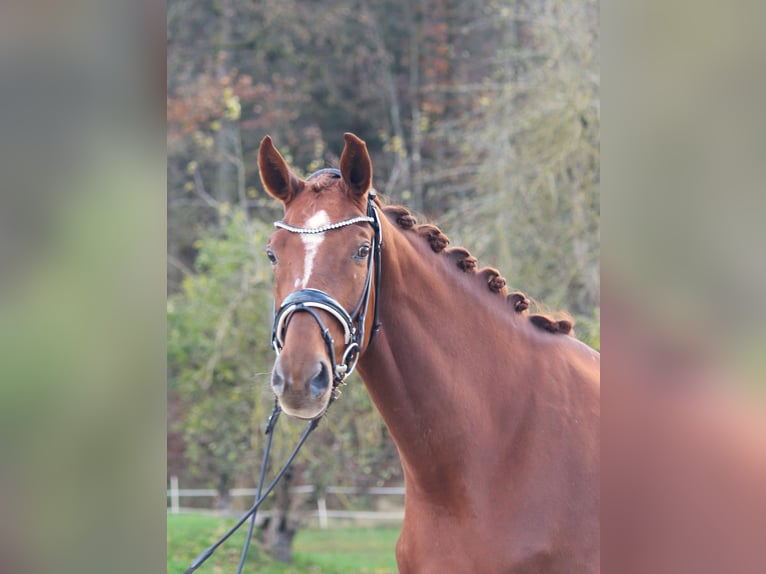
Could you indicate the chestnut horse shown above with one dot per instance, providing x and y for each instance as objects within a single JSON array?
[{"x": 495, "y": 412}]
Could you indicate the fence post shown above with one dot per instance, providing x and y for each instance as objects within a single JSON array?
[
  {"x": 175, "y": 507},
  {"x": 322, "y": 512}
]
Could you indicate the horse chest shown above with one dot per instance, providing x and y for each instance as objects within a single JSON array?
[
  {"x": 489, "y": 540},
  {"x": 463, "y": 550}
]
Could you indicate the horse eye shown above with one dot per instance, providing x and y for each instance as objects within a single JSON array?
[
  {"x": 272, "y": 257},
  {"x": 362, "y": 252}
]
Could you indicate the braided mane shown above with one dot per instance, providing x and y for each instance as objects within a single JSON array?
[{"x": 467, "y": 263}]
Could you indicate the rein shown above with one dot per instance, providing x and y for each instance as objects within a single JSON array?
[
  {"x": 307, "y": 300},
  {"x": 260, "y": 497}
]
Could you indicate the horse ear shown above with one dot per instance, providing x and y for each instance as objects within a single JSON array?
[
  {"x": 355, "y": 165},
  {"x": 276, "y": 176}
]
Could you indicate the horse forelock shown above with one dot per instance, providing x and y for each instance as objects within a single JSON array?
[
  {"x": 321, "y": 180},
  {"x": 467, "y": 263},
  {"x": 323, "y": 190}
]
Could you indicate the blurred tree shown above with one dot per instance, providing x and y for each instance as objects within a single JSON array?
[
  {"x": 212, "y": 336},
  {"x": 535, "y": 142}
]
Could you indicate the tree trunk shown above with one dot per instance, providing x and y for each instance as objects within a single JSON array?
[
  {"x": 225, "y": 189},
  {"x": 282, "y": 526},
  {"x": 416, "y": 134},
  {"x": 223, "y": 500}
]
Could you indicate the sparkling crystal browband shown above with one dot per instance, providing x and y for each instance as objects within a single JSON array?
[{"x": 323, "y": 228}]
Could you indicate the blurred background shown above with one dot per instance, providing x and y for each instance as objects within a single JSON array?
[
  {"x": 483, "y": 117},
  {"x": 82, "y": 276},
  {"x": 437, "y": 91}
]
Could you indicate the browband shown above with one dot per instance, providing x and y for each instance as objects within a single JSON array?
[{"x": 323, "y": 228}]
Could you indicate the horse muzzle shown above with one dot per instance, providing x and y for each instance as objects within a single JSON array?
[{"x": 302, "y": 377}]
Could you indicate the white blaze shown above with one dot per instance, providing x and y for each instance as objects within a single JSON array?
[{"x": 312, "y": 242}]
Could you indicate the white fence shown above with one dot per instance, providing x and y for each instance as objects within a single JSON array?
[{"x": 175, "y": 493}]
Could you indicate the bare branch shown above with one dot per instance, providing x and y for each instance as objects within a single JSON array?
[
  {"x": 199, "y": 188},
  {"x": 174, "y": 261}
]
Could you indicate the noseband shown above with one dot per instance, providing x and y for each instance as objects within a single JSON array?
[{"x": 311, "y": 300}]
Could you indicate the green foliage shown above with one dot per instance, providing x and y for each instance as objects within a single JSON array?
[
  {"x": 335, "y": 551},
  {"x": 218, "y": 340},
  {"x": 588, "y": 329}
]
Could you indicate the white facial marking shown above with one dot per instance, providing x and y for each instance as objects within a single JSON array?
[{"x": 312, "y": 242}]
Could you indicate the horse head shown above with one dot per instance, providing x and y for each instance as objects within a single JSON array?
[{"x": 323, "y": 253}]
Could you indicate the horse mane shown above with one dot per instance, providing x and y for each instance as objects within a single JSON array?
[{"x": 467, "y": 263}]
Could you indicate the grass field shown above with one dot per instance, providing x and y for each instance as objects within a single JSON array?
[{"x": 333, "y": 551}]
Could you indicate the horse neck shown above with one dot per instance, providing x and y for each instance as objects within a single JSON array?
[{"x": 443, "y": 346}]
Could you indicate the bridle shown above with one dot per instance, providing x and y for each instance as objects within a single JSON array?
[{"x": 310, "y": 300}]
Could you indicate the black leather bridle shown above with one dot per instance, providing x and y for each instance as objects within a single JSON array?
[{"x": 311, "y": 300}]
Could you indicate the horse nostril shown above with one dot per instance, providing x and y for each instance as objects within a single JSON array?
[
  {"x": 320, "y": 382},
  {"x": 277, "y": 381}
]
